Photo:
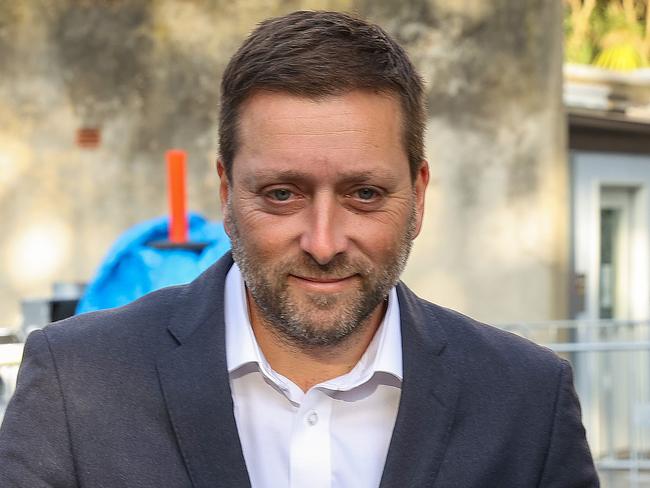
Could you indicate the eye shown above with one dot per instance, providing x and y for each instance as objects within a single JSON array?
[
  {"x": 366, "y": 193},
  {"x": 280, "y": 194}
]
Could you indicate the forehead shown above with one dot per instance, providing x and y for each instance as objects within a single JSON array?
[{"x": 358, "y": 131}]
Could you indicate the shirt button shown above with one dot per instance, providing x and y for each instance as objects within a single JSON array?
[{"x": 312, "y": 418}]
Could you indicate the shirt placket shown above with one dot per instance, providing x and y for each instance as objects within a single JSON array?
[{"x": 310, "y": 451}]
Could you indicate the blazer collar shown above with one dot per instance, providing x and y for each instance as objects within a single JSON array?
[
  {"x": 429, "y": 395},
  {"x": 196, "y": 388}
]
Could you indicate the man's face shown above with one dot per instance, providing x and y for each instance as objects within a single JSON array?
[{"x": 321, "y": 210}]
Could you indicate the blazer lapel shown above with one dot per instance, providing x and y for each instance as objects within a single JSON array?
[
  {"x": 427, "y": 405},
  {"x": 195, "y": 384}
]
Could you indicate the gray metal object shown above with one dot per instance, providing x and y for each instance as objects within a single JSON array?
[
  {"x": 38, "y": 312},
  {"x": 8, "y": 336}
]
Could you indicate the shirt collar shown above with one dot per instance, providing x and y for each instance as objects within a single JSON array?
[
  {"x": 241, "y": 346},
  {"x": 384, "y": 353}
]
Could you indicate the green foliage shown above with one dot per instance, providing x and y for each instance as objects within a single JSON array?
[
  {"x": 582, "y": 53},
  {"x": 609, "y": 33}
]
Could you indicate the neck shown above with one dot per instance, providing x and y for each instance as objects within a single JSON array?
[{"x": 309, "y": 366}]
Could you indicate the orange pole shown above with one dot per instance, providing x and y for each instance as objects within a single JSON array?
[{"x": 176, "y": 188}]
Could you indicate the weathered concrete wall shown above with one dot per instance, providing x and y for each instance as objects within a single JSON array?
[
  {"x": 147, "y": 74},
  {"x": 495, "y": 243}
]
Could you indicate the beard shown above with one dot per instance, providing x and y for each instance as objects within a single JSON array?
[{"x": 310, "y": 320}]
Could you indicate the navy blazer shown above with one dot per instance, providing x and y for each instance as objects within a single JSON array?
[{"x": 139, "y": 396}]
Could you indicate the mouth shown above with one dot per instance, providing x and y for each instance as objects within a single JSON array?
[{"x": 323, "y": 284}]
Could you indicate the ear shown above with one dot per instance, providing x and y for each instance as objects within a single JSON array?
[
  {"x": 224, "y": 191},
  {"x": 420, "y": 186}
]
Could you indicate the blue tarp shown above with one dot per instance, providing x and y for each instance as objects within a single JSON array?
[{"x": 132, "y": 268}]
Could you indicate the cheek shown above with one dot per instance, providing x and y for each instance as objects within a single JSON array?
[
  {"x": 382, "y": 245},
  {"x": 265, "y": 235},
  {"x": 380, "y": 235}
]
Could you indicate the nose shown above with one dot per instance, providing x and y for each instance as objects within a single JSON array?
[{"x": 324, "y": 236}]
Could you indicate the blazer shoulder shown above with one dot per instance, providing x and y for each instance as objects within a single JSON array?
[
  {"x": 482, "y": 347},
  {"x": 150, "y": 319},
  {"x": 146, "y": 317}
]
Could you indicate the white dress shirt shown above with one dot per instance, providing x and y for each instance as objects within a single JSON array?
[{"x": 336, "y": 435}]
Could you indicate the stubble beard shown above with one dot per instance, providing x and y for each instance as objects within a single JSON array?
[{"x": 318, "y": 320}]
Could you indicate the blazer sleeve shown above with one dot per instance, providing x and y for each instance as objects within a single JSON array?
[
  {"x": 35, "y": 449},
  {"x": 568, "y": 460}
]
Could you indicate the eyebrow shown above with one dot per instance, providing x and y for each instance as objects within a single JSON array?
[{"x": 302, "y": 177}]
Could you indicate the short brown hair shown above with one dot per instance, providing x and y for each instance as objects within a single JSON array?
[{"x": 317, "y": 54}]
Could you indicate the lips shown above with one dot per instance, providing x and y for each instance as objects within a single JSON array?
[
  {"x": 322, "y": 280},
  {"x": 323, "y": 284}
]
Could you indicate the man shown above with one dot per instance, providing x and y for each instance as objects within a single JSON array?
[{"x": 304, "y": 363}]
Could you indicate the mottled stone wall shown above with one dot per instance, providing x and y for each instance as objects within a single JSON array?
[
  {"x": 495, "y": 244},
  {"x": 147, "y": 74}
]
